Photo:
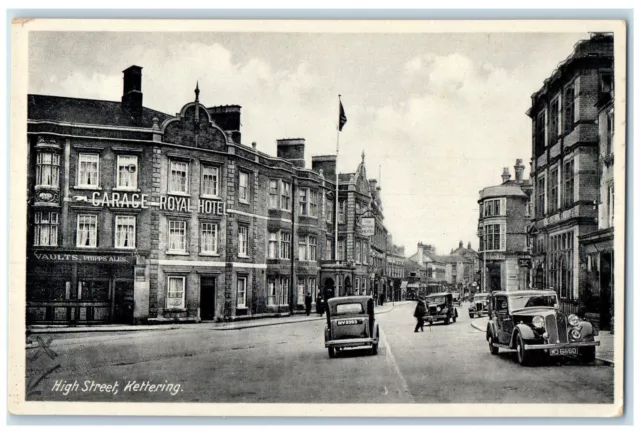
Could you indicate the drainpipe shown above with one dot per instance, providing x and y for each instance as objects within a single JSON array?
[{"x": 292, "y": 248}]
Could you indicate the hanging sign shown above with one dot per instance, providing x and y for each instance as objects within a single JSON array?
[{"x": 368, "y": 226}]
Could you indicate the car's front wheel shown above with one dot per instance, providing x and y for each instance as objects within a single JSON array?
[
  {"x": 471, "y": 315},
  {"x": 524, "y": 357},
  {"x": 332, "y": 352},
  {"x": 492, "y": 348}
]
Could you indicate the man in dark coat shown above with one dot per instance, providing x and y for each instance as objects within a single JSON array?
[
  {"x": 320, "y": 304},
  {"x": 419, "y": 314},
  {"x": 307, "y": 303}
]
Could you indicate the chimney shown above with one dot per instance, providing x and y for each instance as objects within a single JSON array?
[
  {"x": 469, "y": 246},
  {"x": 326, "y": 164},
  {"x": 519, "y": 170},
  {"x": 227, "y": 117},
  {"x": 460, "y": 244},
  {"x": 420, "y": 253},
  {"x": 506, "y": 175},
  {"x": 132, "y": 92},
  {"x": 291, "y": 150}
]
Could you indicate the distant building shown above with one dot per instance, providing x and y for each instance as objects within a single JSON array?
[
  {"x": 395, "y": 268},
  {"x": 415, "y": 278},
  {"x": 502, "y": 229},
  {"x": 461, "y": 267},
  {"x": 565, "y": 165},
  {"x": 435, "y": 267}
]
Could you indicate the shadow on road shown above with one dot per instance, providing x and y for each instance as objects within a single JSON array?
[{"x": 358, "y": 352}]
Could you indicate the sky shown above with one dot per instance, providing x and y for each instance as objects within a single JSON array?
[{"x": 438, "y": 116}]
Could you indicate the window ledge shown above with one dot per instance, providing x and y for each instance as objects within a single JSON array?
[
  {"x": 87, "y": 247},
  {"x": 244, "y": 201},
  {"x": 176, "y": 253},
  {"x": 244, "y": 257},
  {"x": 176, "y": 309},
  {"x": 178, "y": 193},
  {"x": 208, "y": 196},
  {"x": 209, "y": 254},
  {"x": 127, "y": 189},
  {"x": 128, "y": 249},
  {"x": 86, "y": 187}
]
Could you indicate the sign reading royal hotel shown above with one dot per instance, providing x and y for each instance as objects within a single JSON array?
[{"x": 165, "y": 203}]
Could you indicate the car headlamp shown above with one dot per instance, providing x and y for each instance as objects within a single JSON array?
[
  {"x": 538, "y": 322},
  {"x": 438, "y": 308},
  {"x": 575, "y": 334},
  {"x": 573, "y": 320}
]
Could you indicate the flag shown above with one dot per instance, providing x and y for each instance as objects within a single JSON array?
[{"x": 343, "y": 117}]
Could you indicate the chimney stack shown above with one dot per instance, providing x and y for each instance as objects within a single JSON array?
[
  {"x": 519, "y": 170},
  {"x": 132, "y": 92},
  {"x": 325, "y": 164},
  {"x": 506, "y": 175},
  {"x": 292, "y": 150},
  {"x": 469, "y": 246},
  {"x": 460, "y": 244},
  {"x": 227, "y": 117}
]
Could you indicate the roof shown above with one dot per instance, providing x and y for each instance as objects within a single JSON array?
[
  {"x": 87, "y": 111},
  {"x": 526, "y": 292},
  {"x": 502, "y": 191},
  {"x": 349, "y": 299}
]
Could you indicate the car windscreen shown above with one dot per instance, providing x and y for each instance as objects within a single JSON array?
[
  {"x": 436, "y": 300},
  {"x": 349, "y": 308},
  {"x": 526, "y": 301}
]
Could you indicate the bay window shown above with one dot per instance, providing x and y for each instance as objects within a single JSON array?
[{"x": 47, "y": 169}]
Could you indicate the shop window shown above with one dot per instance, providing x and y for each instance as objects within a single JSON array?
[
  {"x": 285, "y": 245},
  {"x": 178, "y": 177},
  {"x": 210, "y": 181},
  {"x": 47, "y": 169},
  {"x": 177, "y": 236},
  {"x": 175, "y": 292},
  {"x": 241, "y": 294},
  {"x": 274, "y": 194},
  {"x": 127, "y": 172},
  {"x": 87, "y": 231},
  {"x": 243, "y": 236},
  {"x": 243, "y": 187},
  {"x": 125, "y": 232},
  {"x": 88, "y": 170},
  {"x": 285, "y": 196},
  {"x": 45, "y": 229},
  {"x": 93, "y": 290},
  {"x": 209, "y": 237}
]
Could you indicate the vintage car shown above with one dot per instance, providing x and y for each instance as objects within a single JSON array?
[
  {"x": 479, "y": 304},
  {"x": 440, "y": 307},
  {"x": 531, "y": 323},
  {"x": 351, "y": 323}
]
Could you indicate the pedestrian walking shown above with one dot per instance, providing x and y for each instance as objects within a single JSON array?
[
  {"x": 419, "y": 314},
  {"x": 307, "y": 302},
  {"x": 320, "y": 304}
]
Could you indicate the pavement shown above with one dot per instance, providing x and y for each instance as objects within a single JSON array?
[
  {"x": 289, "y": 364},
  {"x": 604, "y": 351}
]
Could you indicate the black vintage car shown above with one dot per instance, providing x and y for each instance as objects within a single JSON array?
[
  {"x": 479, "y": 304},
  {"x": 531, "y": 323},
  {"x": 351, "y": 323},
  {"x": 440, "y": 307}
]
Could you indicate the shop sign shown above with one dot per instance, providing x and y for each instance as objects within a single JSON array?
[
  {"x": 165, "y": 202},
  {"x": 495, "y": 256},
  {"x": 84, "y": 258},
  {"x": 368, "y": 226}
]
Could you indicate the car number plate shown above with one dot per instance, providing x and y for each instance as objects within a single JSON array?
[
  {"x": 349, "y": 322},
  {"x": 563, "y": 351}
]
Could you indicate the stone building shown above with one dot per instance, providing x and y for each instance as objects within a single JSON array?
[
  {"x": 564, "y": 165},
  {"x": 502, "y": 229},
  {"x": 462, "y": 266},
  {"x": 138, "y": 216},
  {"x": 435, "y": 267}
]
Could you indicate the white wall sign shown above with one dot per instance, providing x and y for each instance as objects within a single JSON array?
[{"x": 368, "y": 226}]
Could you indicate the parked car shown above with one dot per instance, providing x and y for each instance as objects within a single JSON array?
[
  {"x": 479, "y": 304},
  {"x": 531, "y": 323},
  {"x": 351, "y": 323},
  {"x": 440, "y": 307}
]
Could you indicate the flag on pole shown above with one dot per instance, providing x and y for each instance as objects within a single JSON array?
[{"x": 343, "y": 117}]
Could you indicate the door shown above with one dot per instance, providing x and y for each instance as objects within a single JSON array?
[
  {"x": 123, "y": 302},
  {"x": 208, "y": 298},
  {"x": 503, "y": 320}
]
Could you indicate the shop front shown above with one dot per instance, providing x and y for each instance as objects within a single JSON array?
[{"x": 76, "y": 287}]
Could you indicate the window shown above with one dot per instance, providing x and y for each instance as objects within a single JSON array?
[
  {"x": 313, "y": 203},
  {"x": 243, "y": 235},
  {"x": 241, "y": 295},
  {"x": 210, "y": 181},
  {"x": 285, "y": 196},
  {"x": 272, "y": 250},
  {"x": 569, "y": 108},
  {"x": 303, "y": 201},
  {"x": 88, "y": 170},
  {"x": 540, "y": 196},
  {"x": 243, "y": 187},
  {"x": 341, "y": 206},
  {"x": 540, "y": 133},
  {"x": 610, "y": 204},
  {"x": 273, "y": 193},
  {"x": 341, "y": 255},
  {"x": 568, "y": 183},
  {"x": 358, "y": 252},
  {"x": 302, "y": 248},
  {"x": 284, "y": 291},
  {"x": 313, "y": 248},
  {"x": 365, "y": 252},
  {"x": 45, "y": 229},
  {"x": 606, "y": 82},
  {"x": 285, "y": 245},
  {"x": 312, "y": 287},
  {"x": 560, "y": 260},
  {"x": 610, "y": 130},
  {"x": 209, "y": 237},
  {"x": 554, "y": 117},
  {"x": 177, "y": 236},
  {"x": 492, "y": 235},
  {"x": 328, "y": 254},
  {"x": 492, "y": 208},
  {"x": 87, "y": 231},
  {"x": 357, "y": 286},
  {"x": 278, "y": 290},
  {"x": 175, "y": 292},
  {"x": 127, "y": 172},
  {"x": 47, "y": 169},
  {"x": 125, "y": 232},
  {"x": 178, "y": 176},
  {"x": 271, "y": 292},
  {"x": 553, "y": 191},
  {"x": 330, "y": 211},
  {"x": 301, "y": 292}
]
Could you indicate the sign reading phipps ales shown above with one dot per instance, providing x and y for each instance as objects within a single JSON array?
[{"x": 368, "y": 226}]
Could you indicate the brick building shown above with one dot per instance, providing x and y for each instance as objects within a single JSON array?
[
  {"x": 435, "y": 267},
  {"x": 502, "y": 229},
  {"x": 462, "y": 266},
  {"x": 138, "y": 216},
  {"x": 564, "y": 165}
]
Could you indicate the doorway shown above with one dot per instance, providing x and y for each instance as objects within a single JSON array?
[
  {"x": 123, "y": 302},
  {"x": 207, "y": 298}
]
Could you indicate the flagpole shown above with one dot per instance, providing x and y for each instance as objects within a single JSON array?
[{"x": 337, "y": 202}]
